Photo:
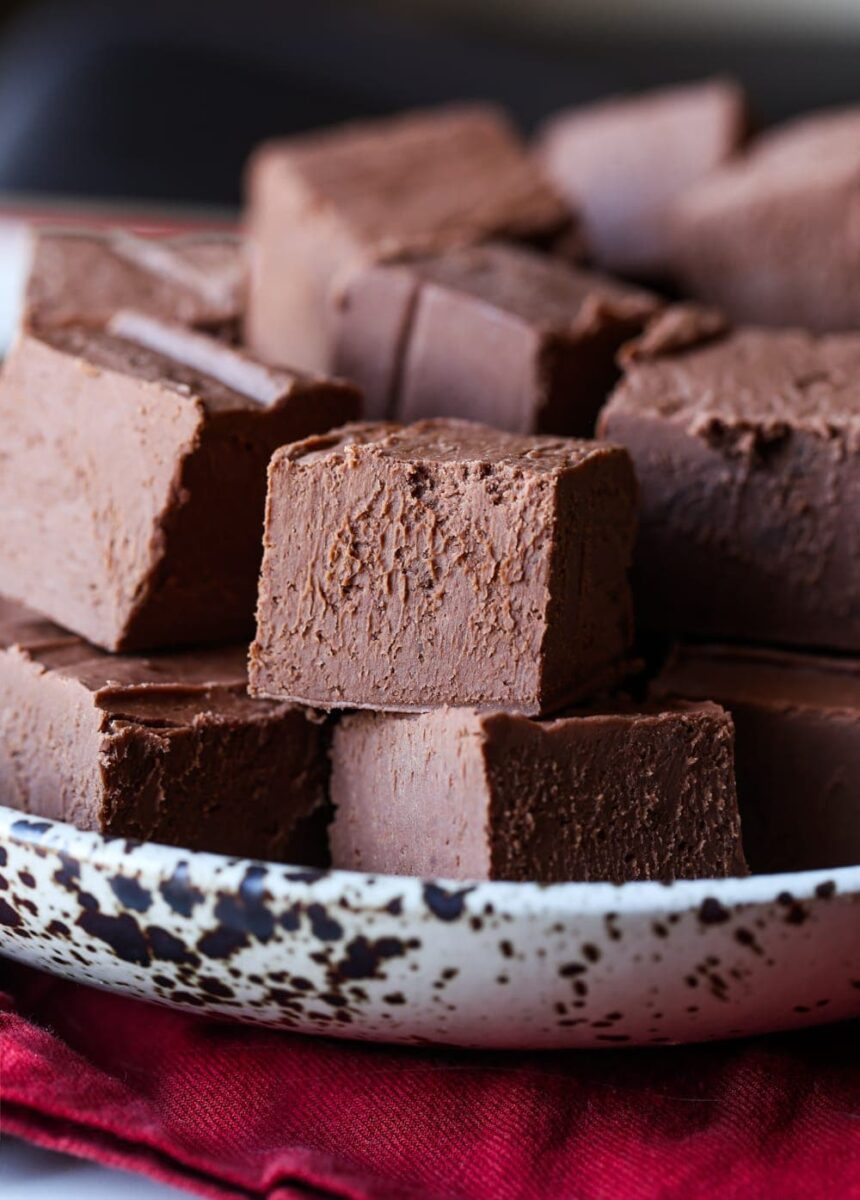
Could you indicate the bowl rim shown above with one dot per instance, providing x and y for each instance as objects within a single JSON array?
[{"x": 283, "y": 880}]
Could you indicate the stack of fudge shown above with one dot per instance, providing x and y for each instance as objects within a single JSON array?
[{"x": 372, "y": 423}]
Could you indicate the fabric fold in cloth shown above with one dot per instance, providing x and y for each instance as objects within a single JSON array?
[{"x": 233, "y": 1111}]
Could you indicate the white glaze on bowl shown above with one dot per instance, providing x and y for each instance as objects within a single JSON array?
[{"x": 397, "y": 959}]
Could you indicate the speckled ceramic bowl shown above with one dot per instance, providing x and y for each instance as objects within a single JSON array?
[{"x": 409, "y": 960}]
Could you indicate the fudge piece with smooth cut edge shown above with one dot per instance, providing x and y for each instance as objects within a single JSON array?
[
  {"x": 494, "y": 333},
  {"x": 747, "y": 453},
  {"x": 133, "y": 477},
  {"x": 168, "y": 748},
  {"x": 605, "y": 795},
  {"x": 416, "y": 183},
  {"x": 84, "y": 277},
  {"x": 797, "y": 718},
  {"x": 772, "y": 238},
  {"x": 444, "y": 563},
  {"x": 623, "y": 163}
]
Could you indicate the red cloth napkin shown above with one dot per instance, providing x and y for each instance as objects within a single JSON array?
[{"x": 231, "y": 1111}]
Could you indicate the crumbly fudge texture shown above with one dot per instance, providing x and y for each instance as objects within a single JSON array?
[{"x": 444, "y": 563}]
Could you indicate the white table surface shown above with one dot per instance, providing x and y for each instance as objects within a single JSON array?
[{"x": 28, "y": 1173}]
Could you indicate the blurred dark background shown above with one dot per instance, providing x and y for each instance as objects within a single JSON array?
[{"x": 163, "y": 99}]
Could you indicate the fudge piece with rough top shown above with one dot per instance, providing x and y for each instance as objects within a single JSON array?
[
  {"x": 444, "y": 563},
  {"x": 747, "y": 453}
]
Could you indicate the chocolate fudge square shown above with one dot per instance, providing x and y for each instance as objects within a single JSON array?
[
  {"x": 623, "y": 163},
  {"x": 772, "y": 238},
  {"x": 444, "y": 563},
  {"x": 168, "y": 748},
  {"x": 415, "y": 183},
  {"x": 133, "y": 478},
  {"x": 84, "y": 277},
  {"x": 746, "y": 453},
  {"x": 494, "y": 333},
  {"x": 612, "y": 795},
  {"x": 797, "y": 718}
]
